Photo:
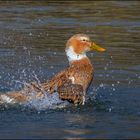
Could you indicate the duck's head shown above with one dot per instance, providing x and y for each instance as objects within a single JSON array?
[{"x": 78, "y": 45}]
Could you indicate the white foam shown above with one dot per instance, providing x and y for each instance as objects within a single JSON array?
[{"x": 50, "y": 101}]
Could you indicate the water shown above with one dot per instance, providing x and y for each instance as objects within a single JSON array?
[{"x": 32, "y": 41}]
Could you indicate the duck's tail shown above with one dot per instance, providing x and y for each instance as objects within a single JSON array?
[
  {"x": 12, "y": 98},
  {"x": 5, "y": 98}
]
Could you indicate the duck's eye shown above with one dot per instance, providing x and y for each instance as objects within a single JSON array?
[{"x": 84, "y": 40}]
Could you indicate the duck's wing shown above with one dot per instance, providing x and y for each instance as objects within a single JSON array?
[
  {"x": 55, "y": 82},
  {"x": 63, "y": 84},
  {"x": 72, "y": 92}
]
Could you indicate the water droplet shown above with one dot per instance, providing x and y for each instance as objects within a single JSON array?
[
  {"x": 114, "y": 89},
  {"x": 113, "y": 85},
  {"x": 30, "y": 34},
  {"x": 39, "y": 57},
  {"x": 51, "y": 67},
  {"x": 110, "y": 109},
  {"x": 118, "y": 82},
  {"x": 24, "y": 48},
  {"x": 101, "y": 85}
]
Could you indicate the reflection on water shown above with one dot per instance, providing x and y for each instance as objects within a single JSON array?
[{"x": 32, "y": 41}]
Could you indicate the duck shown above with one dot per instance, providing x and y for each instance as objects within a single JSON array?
[{"x": 72, "y": 83}]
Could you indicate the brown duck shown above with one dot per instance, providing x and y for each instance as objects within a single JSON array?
[{"x": 71, "y": 83}]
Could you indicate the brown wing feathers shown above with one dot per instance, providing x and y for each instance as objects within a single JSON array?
[{"x": 57, "y": 81}]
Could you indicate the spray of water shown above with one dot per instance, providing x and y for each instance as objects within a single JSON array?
[{"x": 49, "y": 101}]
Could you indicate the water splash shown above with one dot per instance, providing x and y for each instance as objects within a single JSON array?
[{"x": 50, "y": 101}]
